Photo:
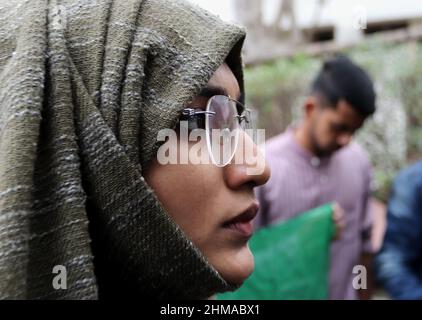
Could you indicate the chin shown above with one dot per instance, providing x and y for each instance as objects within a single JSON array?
[{"x": 236, "y": 267}]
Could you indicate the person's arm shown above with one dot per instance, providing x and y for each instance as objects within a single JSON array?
[
  {"x": 367, "y": 253},
  {"x": 379, "y": 213},
  {"x": 366, "y": 260},
  {"x": 402, "y": 245}
]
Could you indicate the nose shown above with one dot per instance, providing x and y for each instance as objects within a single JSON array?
[
  {"x": 248, "y": 166},
  {"x": 344, "y": 139}
]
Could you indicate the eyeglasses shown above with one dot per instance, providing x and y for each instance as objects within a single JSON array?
[{"x": 223, "y": 120}]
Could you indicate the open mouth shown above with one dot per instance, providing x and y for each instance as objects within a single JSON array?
[{"x": 242, "y": 223}]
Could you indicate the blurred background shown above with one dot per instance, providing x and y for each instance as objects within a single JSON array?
[{"x": 288, "y": 40}]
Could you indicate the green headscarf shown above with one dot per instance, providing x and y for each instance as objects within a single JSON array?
[{"x": 85, "y": 86}]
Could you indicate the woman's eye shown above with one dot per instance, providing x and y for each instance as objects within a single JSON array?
[{"x": 196, "y": 123}]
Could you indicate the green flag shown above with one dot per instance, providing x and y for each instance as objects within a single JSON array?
[{"x": 291, "y": 259}]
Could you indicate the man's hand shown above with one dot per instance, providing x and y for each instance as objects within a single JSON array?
[{"x": 338, "y": 219}]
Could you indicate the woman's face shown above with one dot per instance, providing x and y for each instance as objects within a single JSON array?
[{"x": 213, "y": 205}]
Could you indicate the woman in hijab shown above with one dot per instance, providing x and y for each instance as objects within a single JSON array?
[{"x": 85, "y": 88}]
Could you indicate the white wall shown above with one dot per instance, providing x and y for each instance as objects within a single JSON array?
[
  {"x": 346, "y": 16},
  {"x": 377, "y": 10},
  {"x": 222, "y": 8}
]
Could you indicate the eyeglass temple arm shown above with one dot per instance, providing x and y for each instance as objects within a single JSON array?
[
  {"x": 193, "y": 112},
  {"x": 241, "y": 104}
]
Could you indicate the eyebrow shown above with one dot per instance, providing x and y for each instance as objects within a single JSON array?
[
  {"x": 210, "y": 91},
  {"x": 344, "y": 127}
]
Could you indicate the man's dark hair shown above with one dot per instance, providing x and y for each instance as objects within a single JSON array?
[{"x": 340, "y": 79}]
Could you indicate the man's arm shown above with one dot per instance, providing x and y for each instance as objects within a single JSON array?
[
  {"x": 379, "y": 213},
  {"x": 366, "y": 258},
  {"x": 403, "y": 240}
]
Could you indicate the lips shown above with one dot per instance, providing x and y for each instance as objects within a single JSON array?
[{"x": 242, "y": 223}]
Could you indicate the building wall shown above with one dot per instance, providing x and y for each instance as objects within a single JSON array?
[{"x": 346, "y": 17}]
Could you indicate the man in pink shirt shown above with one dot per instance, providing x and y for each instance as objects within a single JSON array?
[{"x": 317, "y": 162}]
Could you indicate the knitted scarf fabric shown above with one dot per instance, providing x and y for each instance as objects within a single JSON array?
[{"x": 85, "y": 86}]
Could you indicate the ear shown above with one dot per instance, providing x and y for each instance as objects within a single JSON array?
[{"x": 310, "y": 106}]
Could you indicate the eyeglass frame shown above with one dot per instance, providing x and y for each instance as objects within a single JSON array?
[{"x": 193, "y": 113}]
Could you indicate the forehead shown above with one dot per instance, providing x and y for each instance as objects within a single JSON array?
[
  {"x": 347, "y": 114},
  {"x": 346, "y": 111},
  {"x": 224, "y": 78}
]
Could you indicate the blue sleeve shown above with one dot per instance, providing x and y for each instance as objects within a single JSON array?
[{"x": 398, "y": 263}]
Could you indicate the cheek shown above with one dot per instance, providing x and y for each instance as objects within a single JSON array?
[
  {"x": 188, "y": 193},
  {"x": 325, "y": 134},
  {"x": 318, "y": 132}
]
